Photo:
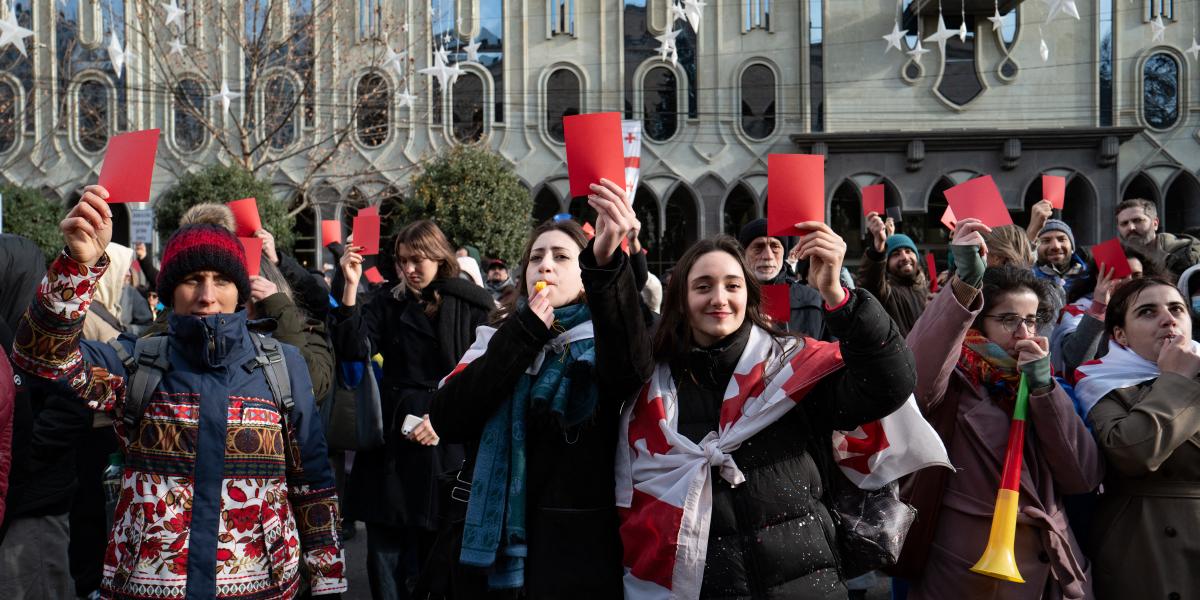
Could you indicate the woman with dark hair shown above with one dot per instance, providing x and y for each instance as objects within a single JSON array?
[
  {"x": 723, "y": 388},
  {"x": 977, "y": 339},
  {"x": 537, "y": 399},
  {"x": 421, "y": 328},
  {"x": 1142, "y": 400},
  {"x": 1079, "y": 335}
]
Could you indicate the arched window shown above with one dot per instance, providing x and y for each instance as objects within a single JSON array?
[
  {"x": 1182, "y": 204},
  {"x": 8, "y": 116},
  {"x": 190, "y": 105},
  {"x": 758, "y": 101},
  {"x": 1141, "y": 186},
  {"x": 660, "y": 104},
  {"x": 91, "y": 121},
  {"x": 279, "y": 109},
  {"x": 845, "y": 215},
  {"x": 739, "y": 209},
  {"x": 545, "y": 205},
  {"x": 1160, "y": 91},
  {"x": 562, "y": 100},
  {"x": 372, "y": 98},
  {"x": 684, "y": 228},
  {"x": 645, "y": 206},
  {"x": 467, "y": 112}
]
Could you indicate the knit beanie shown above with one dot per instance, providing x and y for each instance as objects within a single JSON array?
[
  {"x": 202, "y": 247},
  {"x": 1058, "y": 225},
  {"x": 897, "y": 241},
  {"x": 758, "y": 228}
]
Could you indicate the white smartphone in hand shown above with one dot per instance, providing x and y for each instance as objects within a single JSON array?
[{"x": 410, "y": 423}]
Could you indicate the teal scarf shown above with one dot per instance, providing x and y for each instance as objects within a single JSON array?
[{"x": 494, "y": 532}]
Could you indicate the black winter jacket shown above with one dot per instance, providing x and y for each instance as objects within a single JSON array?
[
  {"x": 574, "y": 548},
  {"x": 772, "y": 537},
  {"x": 396, "y": 484}
]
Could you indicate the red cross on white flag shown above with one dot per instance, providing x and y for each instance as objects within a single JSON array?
[{"x": 631, "y": 139}]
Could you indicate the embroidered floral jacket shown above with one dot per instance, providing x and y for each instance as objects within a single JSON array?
[{"x": 217, "y": 500}]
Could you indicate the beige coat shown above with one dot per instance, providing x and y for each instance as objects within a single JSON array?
[
  {"x": 1060, "y": 457},
  {"x": 1147, "y": 527}
]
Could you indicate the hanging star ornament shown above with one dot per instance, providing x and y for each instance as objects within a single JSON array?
[
  {"x": 918, "y": 52},
  {"x": 1194, "y": 49},
  {"x": 893, "y": 38},
  {"x": 997, "y": 20},
  {"x": 116, "y": 54},
  {"x": 395, "y": 59},
  {"x": 1044, "y": 50},
  {"x": 1160, "y": 30},
  {"x": 224, "y": 96},
  {"x": 176, "y": 46},
  {"x": 677, "y": 12},
  {"x": 1066, "y": 7},
  {"x": 472, "y": 51},
  {"x": 941, "y": 35},
  {"x": 694, "y": 9},
  {"x": 404, "y": 98},
  {"x": 962, "y": 31},
  {"x": 440, "y": 56},
  {"x": 667, "y": 46},
  {"x": 11, "y": 32},
  {"x": 174, "y": 13}
]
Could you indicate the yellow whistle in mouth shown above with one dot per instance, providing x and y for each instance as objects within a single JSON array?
[{"x": 538, "y": 287}]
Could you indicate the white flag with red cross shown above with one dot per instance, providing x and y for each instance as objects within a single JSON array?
[{"x": 631, "y": 139}]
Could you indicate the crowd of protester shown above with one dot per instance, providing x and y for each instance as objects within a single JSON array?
[{"x": 172, "y": 427}]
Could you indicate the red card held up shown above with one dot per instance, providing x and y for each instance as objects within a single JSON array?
[
  {"x": 873, "y": 200},
  {"x": 366, "y": 234},
  {"x": 1110, "y": 255},
  {"x": 253, "y": 246},
  {"x": 979, "y": 198},
  {"x": 796, "y": 188},
  {"x": 594, "y": 150},
  {"x": 368, "y": 211},
  {"x": 331, "y": 231},
  {"x": 245, "y": 214},
  {"x": 931, "y": 264},
  {"x": 1054, "y": 189},
  {"x": 948, "y": 219},
  {"x": 777, "y": 302},
  {"x": 588, "y": 230},
  {"x": 129, "y": 165},
  {"x": 373, "y": 275}
]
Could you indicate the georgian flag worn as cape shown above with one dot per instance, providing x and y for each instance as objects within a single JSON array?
[
  {"x": 1119, "y": 369},
  {"x": 663, "y": 478}
]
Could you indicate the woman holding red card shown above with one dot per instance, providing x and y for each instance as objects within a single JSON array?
[
  {"x": 977, "y": 339},
  {"x": 421, "y": 327}
]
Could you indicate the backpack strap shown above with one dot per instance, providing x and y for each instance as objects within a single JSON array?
[
  {"x": 269, "y": 356},
  {"x": 147, "y": 365}
]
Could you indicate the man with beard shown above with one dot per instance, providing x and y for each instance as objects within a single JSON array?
[
  {"x": 765, "y": 254},
  {"x": 1057, "y": 260},
  {"x": 1137, "y": 225},
  {"x": 890, "y": 271},
  {"x": 498, "y": 281}
]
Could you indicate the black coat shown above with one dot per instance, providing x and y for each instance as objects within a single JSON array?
[
  {"x": 396, "y": 484},
  {"x": 772, "y": 537},
  {"x": 571, "y": 518}
]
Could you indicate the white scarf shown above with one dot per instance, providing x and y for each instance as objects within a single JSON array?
[
  {"x": 663, "y": 477},
  {"x": 1119, "y": 369}
]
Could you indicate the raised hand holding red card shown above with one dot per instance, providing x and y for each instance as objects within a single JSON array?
[
  {"x": 873, "y": 199},
  {"x": 1110, "y": 255},
  {"x": 253, "y": 247},
  {"x": 979, "y": 198},
  {"x": 796, "y": 191},
  {"x": 1054, "y": 189},
  {"x": 129, "y": 166},
  {"x": 594, "y": 150},
  {"x": 245, "y": 215},
  {"x": 366, "y": 234},
  {"x": 373, "y": 275}
]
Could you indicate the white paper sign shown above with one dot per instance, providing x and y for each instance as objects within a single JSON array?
[{"x": 141, "y": 225}]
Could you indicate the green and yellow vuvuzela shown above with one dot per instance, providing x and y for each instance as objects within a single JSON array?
[{"x": 998, "y": 558}]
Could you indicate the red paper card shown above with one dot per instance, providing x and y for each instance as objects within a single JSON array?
[
  {"x": 594, "y": 150},
  {"x": 1110, "y": 255},
  {"x": 368, "y": 211},
  {"x": 796, "y": 188},
  {"x": 253, "y": 246},
  {"x": 245, "y": 214},
  {"x": 980, "y": 199},
  {"x": 588, "y": 230},
  {"x": 331, "y": 231},
  {"x": 129, "y": 165},
  {"x": 366, "y": 234},
  {"x": 948, "y": 219},
  {"x": 777, "y": 302},
  {"x": 373, "y": 275},
  {"x": 931, "y": 264},
  {"x": 1054, "y": 189},
  {"x": 873, "y": 200}
]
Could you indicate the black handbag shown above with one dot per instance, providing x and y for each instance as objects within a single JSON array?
[
  {"x": 353, "y": 416},
  {"x": 871, "y": 526}
]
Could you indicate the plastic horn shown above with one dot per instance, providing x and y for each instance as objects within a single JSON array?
[{"x": 998, "y": 558}]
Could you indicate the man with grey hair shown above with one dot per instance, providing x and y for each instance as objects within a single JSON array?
[{"x": 1137, "y": 225}]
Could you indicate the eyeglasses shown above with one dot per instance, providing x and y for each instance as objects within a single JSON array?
[{"x": 1011, "y": 321}]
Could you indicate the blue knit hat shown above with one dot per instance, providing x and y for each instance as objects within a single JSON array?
[
  {"x": 1057, "y": 225},
  {"x": 897, "y": 241}
]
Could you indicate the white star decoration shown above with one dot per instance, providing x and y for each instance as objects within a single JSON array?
[
  {"x": 997, "y": 20},
  {"x": 918, "y": 52},
  {"x": 473, "y": 51},
  {"x": 440, "y": 55},
  {"x": 404, "y": 98},
  {"x": 667, "y": 47},
  {"x": 1194, "y": 49},
  {"x": 116, "y": 54},
  {"x": 224, "y": 96},
  {"x": 174, "y": 14},
  {"x": 941, "y": 35},
  {"x": 1044, "y": 50},
  {"x": 176, "y": 46},
  {"x": 395, "y": 59},
  {"x": 12, "y": 33},
  {"x": 962, "y": 31},
  {"x": 1160, "y": 30},
  {"x": 677, "y": 12},
  {"x": 893, "y": 38},
  {"x": 446, "y": 75},
  {"x": 1066, "y": 7},
  {"x": 694, "y": 10}
]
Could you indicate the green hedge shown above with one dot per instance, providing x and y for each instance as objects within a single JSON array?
[
  {"x": 30, "y": 214},
  {"x": 220, "y": 184}
]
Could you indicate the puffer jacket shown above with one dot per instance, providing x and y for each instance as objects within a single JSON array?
[{"x": 217, "y": 499}]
